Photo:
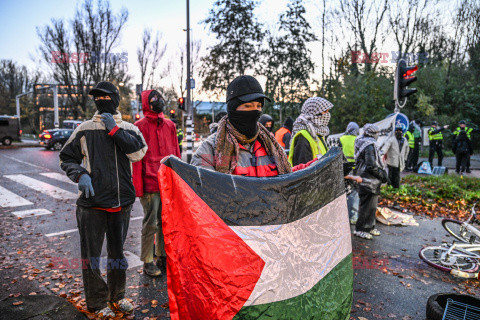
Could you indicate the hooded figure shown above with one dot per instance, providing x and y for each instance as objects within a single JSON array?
[
  {"x": 267, "y": 121},
  {"x": 395, "y": 148},
  {"x": 161, "y": 136},
  {"x": 213, "y": 127},
  {"x": 284, "y": 134},
  {"x": 368, "y": 166},
  {"x": 241, "y": 146},
  {"x": 310, "y": 130}
]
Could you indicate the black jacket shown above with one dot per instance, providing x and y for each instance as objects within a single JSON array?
[
  {"x": 366, "y": 167},
  {"x": 107, "y": 158}
]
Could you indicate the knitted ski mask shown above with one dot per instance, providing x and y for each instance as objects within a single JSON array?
[
  {"x": 103, "y": 89},
  {"x": 244, "y": 121}
]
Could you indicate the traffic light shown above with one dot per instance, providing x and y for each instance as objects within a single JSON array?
[
  {"x": 172, "y": 114},
  {"x": 181, "y": 104},
  {"x": 403, "y": 78},
  {"x": 137, "y": 117}
]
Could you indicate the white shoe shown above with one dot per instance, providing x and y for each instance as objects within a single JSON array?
[
  {"x": 363, "y": 235},
  {"x": 106, "y": 313},
  {"x": 124, "y": 306}
]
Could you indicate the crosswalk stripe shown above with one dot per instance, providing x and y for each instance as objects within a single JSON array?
[
  {"x": 43, "y": 187},
  {"x": 58, "y": 176},
  {"x": 61, "y": 233},
  {"x": 132, "y": 260},
  {"x": 31, "y": 213},
  {"x": 10, "y": 199},
  {"x": 73, "y": 230}
]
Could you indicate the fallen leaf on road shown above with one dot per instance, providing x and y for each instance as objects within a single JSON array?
[{"x": 17, "y": 303}]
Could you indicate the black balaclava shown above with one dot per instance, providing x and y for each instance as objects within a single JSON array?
[
  {"x": 244, "y": 121},
  {"x": 108, "y": 106},
  {"x": 398, "y": 134},
  {"x": 158, "y": 104},
  {"x": 288, "y": 123}
]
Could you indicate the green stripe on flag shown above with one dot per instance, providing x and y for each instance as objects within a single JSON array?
[{"x": 329, "y": 299}]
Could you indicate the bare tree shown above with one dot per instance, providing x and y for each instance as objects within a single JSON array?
[
  {"x": 149, "y": 56},
  {"x": 365, "y": 19},
  {"x": 81, "y": 53}
]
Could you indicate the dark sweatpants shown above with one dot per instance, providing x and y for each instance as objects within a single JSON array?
[
  {"x": 394, "y": 176},
  {"x": 366, "y": 211},
  {"x": 93, "y": 225},
  {"x": 462, "y": 162}
]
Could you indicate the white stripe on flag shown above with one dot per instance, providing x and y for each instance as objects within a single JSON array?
[
  {"x": 10, "y": 199},
  {"x": 31, "y": 213},
  {"x": 58, "y": 176},
  {"x": 45, "y": 188},
  {"x": 299, "y": 254}
]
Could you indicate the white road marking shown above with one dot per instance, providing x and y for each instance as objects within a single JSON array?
[
  {"x": 43, "y": 187},
  {"x": 73, "y": 230},
  {"x": 132, "y": 260},
  {"x": 10, "y": 199},
  {"x": 24, "y": 162},
  {"x": 61, "y": 233},
  {"x": 58, "y": 176},
  {"x": 31, "y": 213}
]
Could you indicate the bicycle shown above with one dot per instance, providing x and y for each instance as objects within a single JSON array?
[
  {"x": 463, "y": 231},
  {"x": 460, "y": 259}
]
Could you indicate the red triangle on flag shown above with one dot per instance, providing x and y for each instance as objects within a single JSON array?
[{"x": 211, "y": 271}]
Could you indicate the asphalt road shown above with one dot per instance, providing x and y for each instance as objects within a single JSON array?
[{"x": 390, "y": 281}]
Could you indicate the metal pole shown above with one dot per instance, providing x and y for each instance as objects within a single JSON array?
[
  {"x": 55, "y": 106},
  {"x": 189, "y": 103},
  {"x": 17, "y": 100}
]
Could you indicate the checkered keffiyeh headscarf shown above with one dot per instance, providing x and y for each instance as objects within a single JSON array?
[
  {"x": 312, "y": 119},
  {"x": 368, "y": 137}
]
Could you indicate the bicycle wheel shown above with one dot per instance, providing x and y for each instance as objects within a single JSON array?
[
  {"x": 437, "y": 258},
  {"x": 456, "y": 229}
]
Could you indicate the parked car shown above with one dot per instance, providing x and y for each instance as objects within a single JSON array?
[
  {"x": 71, "y": 124},
  {"x": 9, "y": 129},
  {"x": 54, "y": 138}
]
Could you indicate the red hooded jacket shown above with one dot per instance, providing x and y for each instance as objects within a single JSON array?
[{"x": 161, "y": 137}]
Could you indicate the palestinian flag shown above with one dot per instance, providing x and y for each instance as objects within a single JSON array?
[{"x": 257, "y": 248}]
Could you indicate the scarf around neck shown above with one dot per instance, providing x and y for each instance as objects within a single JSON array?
[{"x": 228, "y": 142}]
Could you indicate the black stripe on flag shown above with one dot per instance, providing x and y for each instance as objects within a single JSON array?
[{"x": 248, "y": 201}]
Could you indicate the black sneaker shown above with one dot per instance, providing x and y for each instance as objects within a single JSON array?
[
  {"x": 151, "y": 269},
  {"x": 161, "y": 262}
]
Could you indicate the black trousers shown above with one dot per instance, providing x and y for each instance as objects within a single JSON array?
[
  {"x": 462, "y": 162},
  {"x": 93, "y": 225},
  {"x": 366, "y": 211},
  {"x": 394, "y": 176},
  {"x": 412, "y": 159},
  {"x": 436, "y": 146}
]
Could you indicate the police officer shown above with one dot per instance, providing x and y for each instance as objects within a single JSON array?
[
  {"x": 435, "y": 137},
  {"x": 462, "y": 126},
  {"x": 411, "y": 147}
]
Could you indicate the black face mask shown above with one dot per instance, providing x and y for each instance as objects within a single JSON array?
[
  {"x": 106, "y": 106},
  {"x": 158, "y": 105},
  {"x": 245, "y": 121}
]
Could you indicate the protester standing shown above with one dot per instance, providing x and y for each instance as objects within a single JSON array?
[
  {"x": 462, "y": 148},
  {"x": 214, "y": 125},
  {"x": 435, "y": 138},
  {"x": 161, "y": 138},
  {"x": 395, "y": 151},
  {"x": 267, "y": 121},
  {"x": 368, "y": 166},
  {"x": 241, "y": 145},
  {"x": 106, "y": 146},
  {"x": 284, "y": 134},
  {"x": 309, "y": 131},
  {"x": 347, "y": 143}
]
